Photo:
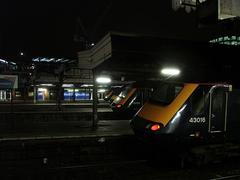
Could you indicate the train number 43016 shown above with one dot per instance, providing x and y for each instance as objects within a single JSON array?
[{"x": 197, "y": 120}]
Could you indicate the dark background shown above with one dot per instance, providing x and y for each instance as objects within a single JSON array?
[{"x": 61, "y": 28}]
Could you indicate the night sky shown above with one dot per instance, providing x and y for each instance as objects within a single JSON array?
[{"x": 57, "y": 29}]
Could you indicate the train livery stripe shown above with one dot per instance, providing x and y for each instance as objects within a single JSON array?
[
  {"x": 163, "y": 114},
  {"x": 109, "y": 94},
  {"x": 124, "y": 100},
  {"x": 113, "y": 97}
]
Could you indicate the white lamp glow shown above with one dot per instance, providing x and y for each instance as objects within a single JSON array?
[
  {"x": 170, "y": 72},
  {"x": 103, "y": 80},
  {"x": 102, "y": 90}
]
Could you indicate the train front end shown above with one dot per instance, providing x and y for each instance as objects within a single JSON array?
[{"x": 167, "y": 113}]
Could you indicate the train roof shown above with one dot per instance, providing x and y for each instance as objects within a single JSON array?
[{"x": 156, "y": 83}]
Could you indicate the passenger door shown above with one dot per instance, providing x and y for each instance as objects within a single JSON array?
[{"x": 218, "y": 109}]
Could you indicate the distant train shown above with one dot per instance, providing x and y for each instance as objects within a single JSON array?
[
  {"x": 112, "y": 94},
  {"x": 190, "y": 112},
  {"x": 133, "y": 96}
]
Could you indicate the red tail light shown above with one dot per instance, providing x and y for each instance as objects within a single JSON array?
[
  {"x": 155, "y": 127},
  {"x": 118, "y": 105}
]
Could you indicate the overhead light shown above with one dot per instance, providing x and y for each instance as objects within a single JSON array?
[
  {"x": 102, "y": 90},
  {"x": 35, "y": 59},
  {"x": 103, "y": 80},
  {"x": 42, "y": 89},
  {"x": 69, "y": 90},
  {"x": 170, "y": 72},
  {"x": 67, "y": 85},
  {"x": 13, "y": 63},
  {"x": 87, "y": 85},
  {"x": 3, "y": 61},
  {"x": 46, "y": 84}
]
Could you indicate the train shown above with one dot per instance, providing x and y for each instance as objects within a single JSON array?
[
  {"x": 190, "y": 113},
  {"x": 112, "y": 93},
  {"x": 133, "y": 96}
]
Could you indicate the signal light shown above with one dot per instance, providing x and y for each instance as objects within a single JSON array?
[{"x": 155, "y": 127}]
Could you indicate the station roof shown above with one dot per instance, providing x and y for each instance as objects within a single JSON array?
[
  {"x": 138, "y": 57},
  {"x": 7, "y": 62},
  {"x": 54, "y": 60}
]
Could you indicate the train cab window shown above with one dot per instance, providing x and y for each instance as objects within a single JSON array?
[
  {"x": 166, "y": 93},
  {"x": 199, "y": 102},
  {"x": 146, "y": 93},
  {"x": 126, "y": 90}
]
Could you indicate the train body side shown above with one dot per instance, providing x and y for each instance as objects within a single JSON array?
[
  {"x": 196, "y": 113},
  {"x": 233, "y": 116}
]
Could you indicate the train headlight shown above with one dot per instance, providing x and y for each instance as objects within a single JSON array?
[{"x": 155, "y": 127}]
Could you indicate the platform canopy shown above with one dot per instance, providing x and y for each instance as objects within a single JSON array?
[
  {"x": 8, "y": 81},
  {"x": 138, "y": 57}
]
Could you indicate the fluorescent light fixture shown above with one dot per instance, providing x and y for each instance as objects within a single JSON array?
[
  {"x": 35, "y": 59},
  {"x": 69, "y": 90},
  {"x": 13, "y": 63},
  {"x": 170, "y": 72},
  {"x": 3, "y": 61},
  {"x": 67, "y": 85},
  {"x": 46, "y": 84},
  {"x": 43, "y": 59},
  {"x": 87, "y": 85},
  {"x": 102, "y": 90},
  {"x": 103, "y": 80},
  {"x": 42, "y": 89}
]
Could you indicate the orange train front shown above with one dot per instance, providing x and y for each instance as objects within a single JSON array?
[{"x": 187, "y": 111}]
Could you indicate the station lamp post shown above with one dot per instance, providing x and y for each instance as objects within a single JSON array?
[{"x": 103, "y": 80}]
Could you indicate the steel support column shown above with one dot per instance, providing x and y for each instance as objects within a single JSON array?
[{"x": 94, "y": 101}]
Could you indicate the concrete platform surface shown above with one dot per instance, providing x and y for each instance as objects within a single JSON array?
[{"x": 79, "y": 130}]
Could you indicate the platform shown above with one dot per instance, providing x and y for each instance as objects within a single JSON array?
[{"x": 81, "y": 129}]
